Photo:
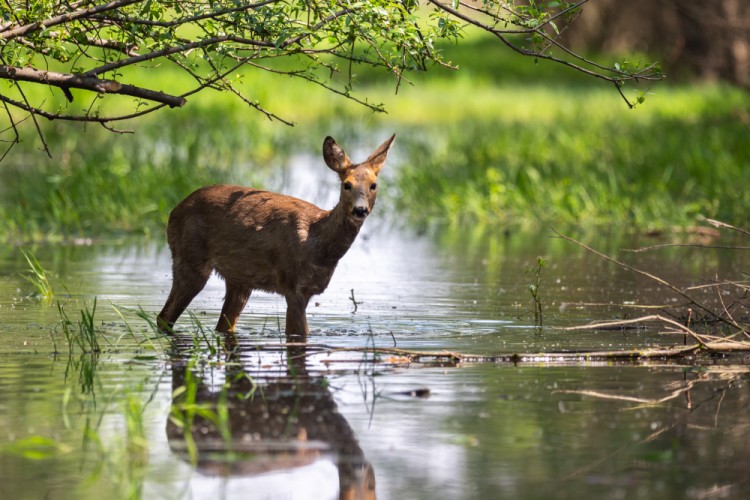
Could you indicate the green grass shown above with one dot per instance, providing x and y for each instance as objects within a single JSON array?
[
  {"x": 686, "y": 155},
  {"x": 82, "y": 333},
  {"x": 502, "y": 142},
  {"x": 37, "y": 276}
]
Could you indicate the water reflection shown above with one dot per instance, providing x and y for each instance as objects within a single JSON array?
[{"x": 232, "y": 421}]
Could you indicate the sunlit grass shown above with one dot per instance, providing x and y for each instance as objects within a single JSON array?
[
  {"x": 530, "y": 145},
  {"x": 552, "y": 159},
  {"x": 37, "y": 276},
  {"x": 83, "y": 332}
]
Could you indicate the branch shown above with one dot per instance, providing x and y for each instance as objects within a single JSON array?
[
  {"x": 719, "y": 224},
  {"x": 86, "y": 82},
  {"x": 64, "y": 18},
  {"x": 501, "y": 34},
  {"x": 185, "y": 20},
  {"x": 643, "y": 273}
]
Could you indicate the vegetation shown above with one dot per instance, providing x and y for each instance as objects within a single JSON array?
[
  {"x": 541, "y": 161},
  {"x": 534, "y": 290},
  {"x": 83, "y": 333},
  {"x": 488, "y": 145},
  {"x": 99, "y": 50},
  {"x": 37, "y": 276}
]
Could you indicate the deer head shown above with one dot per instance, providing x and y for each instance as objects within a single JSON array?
[{"x": 359, "y": 183}]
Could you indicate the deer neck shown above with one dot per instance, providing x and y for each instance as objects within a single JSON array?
[{"x": 336, "y": 233}]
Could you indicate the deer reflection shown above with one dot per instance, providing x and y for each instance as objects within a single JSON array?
[{"x": 252, "y": 423}]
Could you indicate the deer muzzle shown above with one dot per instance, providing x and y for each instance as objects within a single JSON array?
[{"x": 360, "y": 212}]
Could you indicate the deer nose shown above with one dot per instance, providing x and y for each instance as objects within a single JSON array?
[{"x": 360, "y": 211}]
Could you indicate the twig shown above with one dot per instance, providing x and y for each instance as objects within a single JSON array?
[
  {"x": 693, "y": 245},
  {"x": 654, "y": 317},
  {"x": 351, "y": 297},
  {"x": 719, "y": 224},
  {"x": 618, "y": 397},
  {"x": 646, "y": 274},
  {"x": 707, "y": 342}
]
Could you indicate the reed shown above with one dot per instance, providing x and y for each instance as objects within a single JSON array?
[{"x": 37, "y": 276}]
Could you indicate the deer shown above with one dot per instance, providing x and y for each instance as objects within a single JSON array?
[{"x": 260, "y": 240}]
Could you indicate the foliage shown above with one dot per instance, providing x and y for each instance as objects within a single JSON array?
[
  {"x": 470, "y": 151},
  {"x": 99, "y": 50},
  {"x": 83, "y": 333},
  {"x": 37, "y": 276},
  {"x": 584, "y": 165},
  {"x": 106, "y": 184}
]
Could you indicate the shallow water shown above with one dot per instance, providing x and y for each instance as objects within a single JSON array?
[{"x": 148, "y": 420}]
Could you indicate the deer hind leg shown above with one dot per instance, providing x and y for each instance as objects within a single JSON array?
[
  {"x": 234, "y": 303},
  {"x": 296, "y": 317},
  {"x": 187, "y": 281}
]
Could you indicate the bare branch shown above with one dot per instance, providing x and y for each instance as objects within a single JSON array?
[
  {"x": 719, "y": 224},
  {"x": 86, "y": 82},
  {"x": 642, "y": 273}
]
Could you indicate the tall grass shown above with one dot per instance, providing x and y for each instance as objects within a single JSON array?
[
  {"x": 82, "y": 333},
  {"x": 685, "y": 156},
  {"x": 503, "y": 141},
  {"x": 37, "y": 276},
  {"x": 99, "y": 183}
]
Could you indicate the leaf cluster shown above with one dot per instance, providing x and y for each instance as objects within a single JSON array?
[{"x": 97, "y": 49}]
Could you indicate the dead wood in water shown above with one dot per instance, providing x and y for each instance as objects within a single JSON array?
[
  {"x": 733, "y": 332},
  {"x": 396, "y": 356}
]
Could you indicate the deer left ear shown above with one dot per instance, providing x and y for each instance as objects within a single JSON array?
[{"x": 377, "y": 159}]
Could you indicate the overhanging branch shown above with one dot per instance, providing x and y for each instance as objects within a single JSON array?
[
  {"x": 87, "y": 82},
  {"x": 64, "y": 18}
]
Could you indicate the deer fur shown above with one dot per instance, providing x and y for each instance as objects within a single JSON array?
[{"x": 259, "y": 240}]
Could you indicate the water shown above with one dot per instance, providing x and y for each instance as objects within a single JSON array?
[{"x": 144, "y": 419}]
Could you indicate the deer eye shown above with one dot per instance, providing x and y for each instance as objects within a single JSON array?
[
  {"x": 348, "y": 186},
  {"x": 373, "y": 186}
]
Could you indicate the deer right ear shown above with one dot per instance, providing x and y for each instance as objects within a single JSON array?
[{"x": 334, "y": 156}]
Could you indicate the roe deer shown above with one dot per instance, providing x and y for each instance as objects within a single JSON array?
[{"x": 258, "y": 240}]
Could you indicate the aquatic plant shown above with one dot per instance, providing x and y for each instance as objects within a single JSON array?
[
  {"x": 82, "y": 333},
  {"x": 37, "y": 276},
  {"x": 534, "y": 289}
]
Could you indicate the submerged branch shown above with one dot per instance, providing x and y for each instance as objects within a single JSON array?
[
  {"x": 709, "y": 342},
  {"x": 703, "y": 307},
  {"x": 399, "y": 356}
]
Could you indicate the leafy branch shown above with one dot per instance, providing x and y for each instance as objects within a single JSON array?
[{"x": 97, "y": 48}]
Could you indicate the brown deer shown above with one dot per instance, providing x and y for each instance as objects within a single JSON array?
[{"x": 258, "y": 240}]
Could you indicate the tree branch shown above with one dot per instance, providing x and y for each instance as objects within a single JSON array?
[
  {"x": 64, "y": 18},
  {"x": 86, "y": 82}
]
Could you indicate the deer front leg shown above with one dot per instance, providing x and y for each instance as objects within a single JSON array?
[{"x": 296, "y": 318}]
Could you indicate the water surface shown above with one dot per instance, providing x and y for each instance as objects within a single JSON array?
[{"x": 259, "y": 419}]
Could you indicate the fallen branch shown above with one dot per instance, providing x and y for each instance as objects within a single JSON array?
[
  {"x": 661, "y": 281},
  {"x": 566, "y": 357},
  {"x": 619, "y": 397},
  {"x": 724, "y": 225}
]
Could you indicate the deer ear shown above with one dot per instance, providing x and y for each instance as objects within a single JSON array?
[
  {"x": 377, "y": 159},
  {"x": 334, "y": 156}
]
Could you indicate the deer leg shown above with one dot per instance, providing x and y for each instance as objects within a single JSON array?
[
  {"x": 296, "y": 318},
  {"x": 234, "y": 303},
  {"x": 187, "y": 281}
]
